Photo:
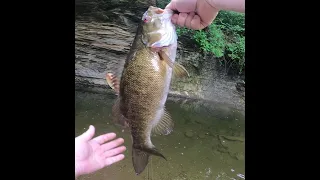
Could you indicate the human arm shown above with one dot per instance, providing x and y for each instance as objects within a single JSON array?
[
  {"x": 228, "y": 5},
  {"x": 94, "y": 154},
  {"x": 198, "y": 14}
]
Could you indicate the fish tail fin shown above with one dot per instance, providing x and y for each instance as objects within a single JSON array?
[{"x": 140, "y": 157}]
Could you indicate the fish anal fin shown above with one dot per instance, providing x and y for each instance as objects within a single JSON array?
[
  {"x": 117, "y": 117},
  {"x": 164, "y": 126}
]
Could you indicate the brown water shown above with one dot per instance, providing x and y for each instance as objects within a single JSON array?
[{"x": 207, "y": 142}]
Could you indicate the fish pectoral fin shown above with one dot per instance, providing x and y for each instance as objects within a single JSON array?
[
  {"x": 140, "y": 157},
  {"x": 178, "y": 69},
  {"x": 113, "y": 82},
  {"x": 164, "y": 126},
  {"x": 164, "y": 57},
  {"x": 117, "y": 117}
]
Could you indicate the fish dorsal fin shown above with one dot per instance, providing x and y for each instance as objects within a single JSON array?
[
  {"x": 178, "y": 69},
  {"x": 164, "y": 126}
]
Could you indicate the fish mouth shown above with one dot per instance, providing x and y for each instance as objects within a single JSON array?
[
  {"x": 161, "y": 13},
  {"x": 165, "y": 34}
]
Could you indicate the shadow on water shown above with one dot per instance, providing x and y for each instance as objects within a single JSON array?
[{"x": 207, "y": 142}]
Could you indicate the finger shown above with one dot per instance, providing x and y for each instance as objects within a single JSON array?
[
  {"x": 174, "y": 18},
  {"x": 182, "y": 19},
  {"x": 86, "y": 136},
  {"x": 114, "y": 152},
  {"x": 189, "y": 19},
  {"x": 112, "y": 144},
  {"x": 172, "y": 6},
  {"x": 104, "y": 138},
  {"x": 196, "y": 23},
  {"x": 114, "y": 159}
]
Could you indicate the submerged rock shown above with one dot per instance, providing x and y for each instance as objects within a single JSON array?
[
  {"x": 220, "y": 148},
  {"x": 189, "y": 134},
  {"x": 202, "y": 135},
  {"x": 201, "y": 121},
  {"x": 237, "y": 156},
  {"x": 233, "y": 138}
]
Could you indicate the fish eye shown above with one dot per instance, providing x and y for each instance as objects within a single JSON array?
[{"x": 146, "y": 19}]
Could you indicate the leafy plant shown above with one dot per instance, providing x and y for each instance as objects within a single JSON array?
[
  {"x": 162, "y": 3},
  {"x": 224, "y": 38}
]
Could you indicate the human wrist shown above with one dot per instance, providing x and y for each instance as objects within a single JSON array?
[{"x": 207, "y": 6}]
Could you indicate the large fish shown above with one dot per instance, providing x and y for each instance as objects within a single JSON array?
[{"x": 145, "y": 83}]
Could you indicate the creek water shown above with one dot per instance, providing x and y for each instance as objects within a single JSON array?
[{"x": 207, "y": 142}]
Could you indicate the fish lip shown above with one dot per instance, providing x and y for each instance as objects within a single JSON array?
[{"x": 166, "y": 13}]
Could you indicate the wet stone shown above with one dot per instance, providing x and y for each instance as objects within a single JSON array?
[
  {"x": 239, "y": 156},
  {"x": 220, "y": 148},
  {"x": 189, "y": 134},
  {"x": 202, "y": 135},
  {"x": 215, "y": 152},
  {"x": 222, "y": 132},
  {"x": 201, "y": 121}
]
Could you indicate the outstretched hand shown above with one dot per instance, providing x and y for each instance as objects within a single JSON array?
[{"x": 94, "y": 154}]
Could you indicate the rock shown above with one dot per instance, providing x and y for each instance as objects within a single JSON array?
[
  {"x": 233, "y": 138},
  {"x": 222, "y": 141},
  {"x": 189, "y": 134},
  {"x": 201, "y": 135},
  {"x": 221, "y": 148},
  {"x": 238, "y": 156},
  {"x": 215, "y": 152},
  {"x": 200, "y": 121},
  {"x": 222, "y": 131},
  {"x": 235, "y": 133}
]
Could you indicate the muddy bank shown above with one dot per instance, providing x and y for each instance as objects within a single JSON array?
[{"x": 104, "y": 31}]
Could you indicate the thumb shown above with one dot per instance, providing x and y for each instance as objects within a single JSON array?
[
  {"x": 86, "y": 136},
  {"x": 171, "y": 6}
]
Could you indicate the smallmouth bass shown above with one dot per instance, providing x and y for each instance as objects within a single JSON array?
[{"x": 144, "y": 85}]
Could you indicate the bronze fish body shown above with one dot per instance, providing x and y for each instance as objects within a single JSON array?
[{"x": 145, "y": 83}]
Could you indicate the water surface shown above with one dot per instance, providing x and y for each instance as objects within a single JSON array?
[{"x": 207, "y": 142}]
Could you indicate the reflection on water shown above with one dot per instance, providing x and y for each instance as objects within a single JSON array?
[{"x": 207, "y": 142}]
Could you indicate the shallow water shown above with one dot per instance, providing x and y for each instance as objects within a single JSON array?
[{"x": 207, "y": 142}]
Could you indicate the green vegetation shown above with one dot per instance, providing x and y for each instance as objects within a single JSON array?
[{"x": 224, "y": 38}]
